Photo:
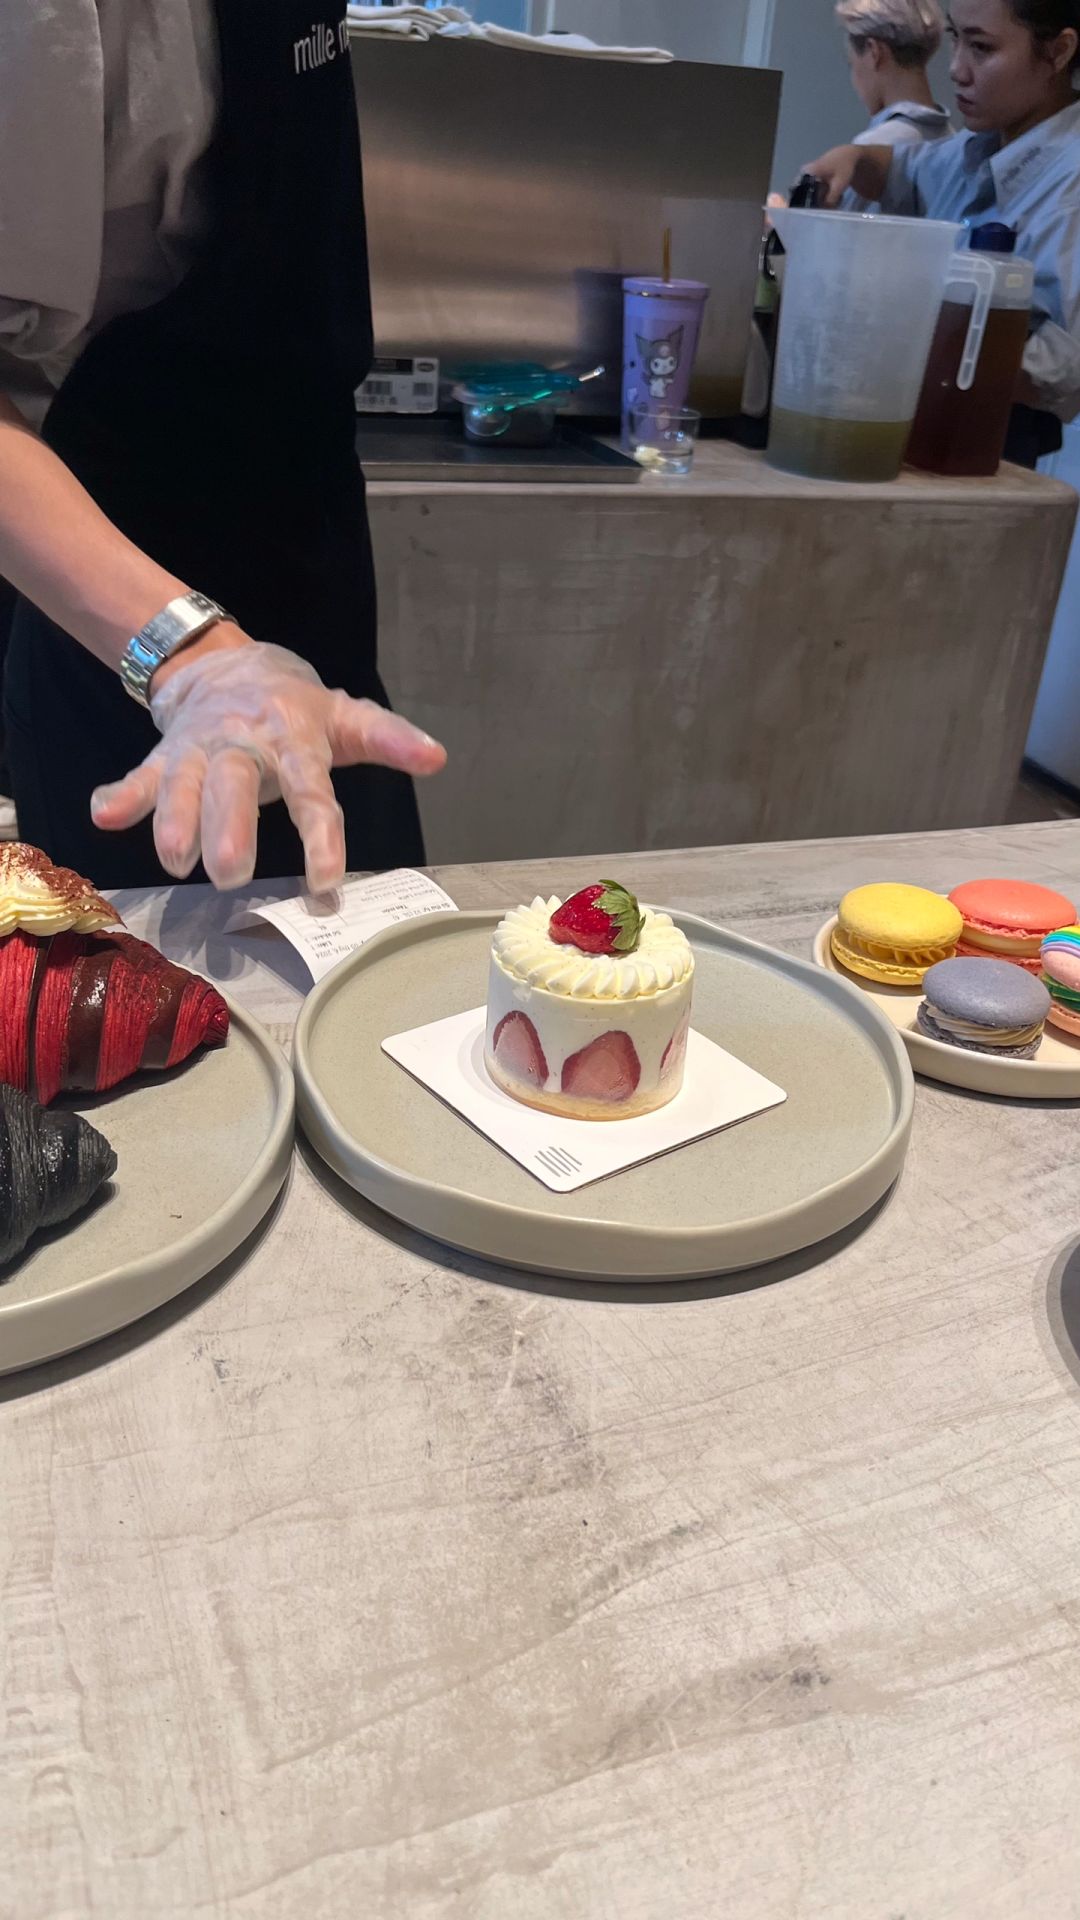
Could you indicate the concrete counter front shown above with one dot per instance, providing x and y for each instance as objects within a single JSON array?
[{"x": 738, "y": 655}]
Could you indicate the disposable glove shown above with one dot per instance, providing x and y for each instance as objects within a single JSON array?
[{"x": 243, "y": 727}]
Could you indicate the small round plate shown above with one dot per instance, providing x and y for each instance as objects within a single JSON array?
[
  {"x": 766, "y": 1188},
  {"x": 1054, "y": 1074},
  {"x": 202, "y": 1153}
]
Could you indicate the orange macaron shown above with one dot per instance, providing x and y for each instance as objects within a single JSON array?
[{"x": 1009, "y": 919}]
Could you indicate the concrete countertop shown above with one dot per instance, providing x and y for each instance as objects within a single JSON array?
[
  {"x": 369, "y": 1580},
  {"x": 723, "y": 469}
]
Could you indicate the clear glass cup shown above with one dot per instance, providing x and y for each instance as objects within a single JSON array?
[{"x": 662, "y": 438}]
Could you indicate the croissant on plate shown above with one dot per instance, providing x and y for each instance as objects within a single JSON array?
[
  {"x": 81, "y": 1009},
  {"x": 51, "y": 1166}
]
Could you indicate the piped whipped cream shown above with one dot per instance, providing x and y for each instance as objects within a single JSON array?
[
  {"x": 39, "y": 898},
  {"x": 525, "y": 950}
]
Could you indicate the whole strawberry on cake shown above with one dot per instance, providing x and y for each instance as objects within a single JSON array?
[{"x": 589, "y": 1005}]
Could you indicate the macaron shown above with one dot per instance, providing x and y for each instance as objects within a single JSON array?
[
  {"x": 891, "y": 933},
  {"x": 1009, "y": 919},
  {"x": 986, "y": 1006},
  {"x": 1061, "y": 977}
]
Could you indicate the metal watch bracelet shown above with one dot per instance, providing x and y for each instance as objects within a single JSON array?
[{"x": 183, "y": 620}]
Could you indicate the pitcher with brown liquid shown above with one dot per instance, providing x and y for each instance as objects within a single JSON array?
[{"x": 961, "y": 428}]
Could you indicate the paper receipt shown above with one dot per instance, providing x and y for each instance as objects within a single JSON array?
[{"x": 325, "y": 928}]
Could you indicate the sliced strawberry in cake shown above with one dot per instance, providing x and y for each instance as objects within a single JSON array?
[
  {"x": 518, "y": 1051},
  {"x": 675, "y": 1051},
  {"x": 607, "y": 1069}
]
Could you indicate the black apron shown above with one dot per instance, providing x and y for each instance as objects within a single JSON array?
[
  {"x": 217, "y": 430},
  {"x": 1032, "y": 435}
]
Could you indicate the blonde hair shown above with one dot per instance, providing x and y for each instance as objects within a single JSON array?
[{"x": 911, "y": 29}]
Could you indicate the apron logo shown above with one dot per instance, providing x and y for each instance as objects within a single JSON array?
[
  {"x": 1013, "y": 176},
  {"x": 317, "y": 48}
]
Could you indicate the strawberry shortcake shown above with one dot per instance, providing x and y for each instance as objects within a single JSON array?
[{"x": 588, "y": 1009}]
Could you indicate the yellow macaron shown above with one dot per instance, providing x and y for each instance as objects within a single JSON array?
[{"x": 892, "y": 934}]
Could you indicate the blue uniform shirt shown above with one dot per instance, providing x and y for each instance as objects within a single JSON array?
[
  {"x": 1033, "y": 184},
  {"x": 905, "y": 124}
]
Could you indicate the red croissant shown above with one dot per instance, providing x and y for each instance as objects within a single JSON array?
[{"x": 82, "y": 1011}]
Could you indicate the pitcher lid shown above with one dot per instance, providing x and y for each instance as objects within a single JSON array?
[{"x": 993, "y": 236}]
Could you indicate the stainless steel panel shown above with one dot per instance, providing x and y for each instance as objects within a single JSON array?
[
  {"x": 507, "y": 194},
  {"x": 393, "y": 448}
]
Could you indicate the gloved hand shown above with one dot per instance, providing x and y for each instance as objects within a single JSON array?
[{"x": 243, "y": 727}]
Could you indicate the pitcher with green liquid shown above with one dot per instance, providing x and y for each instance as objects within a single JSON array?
[{"x": 862, "y": 294}]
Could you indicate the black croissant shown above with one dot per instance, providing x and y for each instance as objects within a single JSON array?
[{"x": 51, "y": 1166}]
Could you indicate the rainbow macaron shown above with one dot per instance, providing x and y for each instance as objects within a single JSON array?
[
  {"x": 1061, "y": 977},
  {"x": 985, "y": 1006},
  {"x": 891, "y": 933},
  {"x": 1009, "y": 919}
]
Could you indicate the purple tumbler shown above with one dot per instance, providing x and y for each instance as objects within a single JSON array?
[{"x": 661, "y": 323}]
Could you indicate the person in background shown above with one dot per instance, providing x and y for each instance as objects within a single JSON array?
[
  {"x": 184, "y": 299},
  {"x": 1014, "y": 68},
  {"x": 890, "y": 44}
]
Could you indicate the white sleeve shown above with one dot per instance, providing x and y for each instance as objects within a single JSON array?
[
  {"x": 1052, "y": 354},
  {"x": 52, "y": 178},
  {"x": 891, "y": 133}
]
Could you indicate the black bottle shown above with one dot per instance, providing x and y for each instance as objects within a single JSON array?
[{"x": 806, "y": 192}]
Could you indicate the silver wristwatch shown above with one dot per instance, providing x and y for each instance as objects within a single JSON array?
[{"x": 182, "y": 620}]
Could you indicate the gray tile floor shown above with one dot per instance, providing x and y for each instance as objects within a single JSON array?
[{"x": 1037, "y": 799}]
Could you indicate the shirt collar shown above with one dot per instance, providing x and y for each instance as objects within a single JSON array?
[
  {"x": 910, "y": 110},
  {"x": 1016, "y": 166}
]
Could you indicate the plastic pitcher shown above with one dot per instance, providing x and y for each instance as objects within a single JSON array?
[
  {"x": 963, "y": 416},
  {"x": 862, "y": 294}
]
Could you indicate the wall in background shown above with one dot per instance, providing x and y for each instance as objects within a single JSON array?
[
  {"x": 502, "y": 13},
  {"x": 818, "y": 108},
  {"x": 690, "y": 29},
  {"x": 800, "y": 37}
]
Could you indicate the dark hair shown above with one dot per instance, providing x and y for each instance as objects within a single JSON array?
[
  {"x": 902, "y": 51},
  {"x": 1045, "y": 19}
]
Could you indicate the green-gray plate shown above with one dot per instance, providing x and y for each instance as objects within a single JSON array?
[
  {"x": 202, "y": 1153},
  {"x": 767, "y": 1187}
]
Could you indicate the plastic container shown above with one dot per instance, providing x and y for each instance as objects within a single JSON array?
[
  {"x": 962, "y": 420},
  {"x": 862, "y": 293},
  {"x": 521, "y": 424},
  {"x": 517, "y": 404}
]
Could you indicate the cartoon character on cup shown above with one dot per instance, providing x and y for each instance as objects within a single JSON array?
[{"x": 660, "y": 359}]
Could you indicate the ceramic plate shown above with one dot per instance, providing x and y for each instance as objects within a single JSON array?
[
  {"x": 1054, "y": 1074},
  {"x": 202, "y": 1152},
  {"x": 772, "y": 1185}
]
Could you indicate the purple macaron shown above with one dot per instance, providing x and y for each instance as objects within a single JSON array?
[{"x": 987, "y": 1006}]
